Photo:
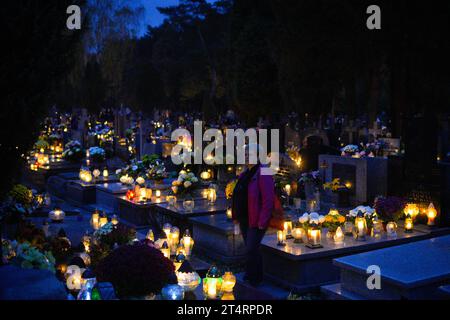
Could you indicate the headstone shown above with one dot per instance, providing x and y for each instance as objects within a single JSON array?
[{"x": 29, "y": 284}]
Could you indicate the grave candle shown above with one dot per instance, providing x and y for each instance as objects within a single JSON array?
[
  {"x": 165, "y": 250},
  {"x": 166, "y": 228},
  {"x": 229, "y": 213},
  {"x": 103, "y": 220},
  {"x": 411, "y": 209},
  {"x": 431, "y": 214},
  {"x": 95, "y": 220},
  {"x": 281, "y": 238},
  {"x": 229, "y": 281},
  {"x": 114, "y": 220},
  {"x": 105, "y": 173},
  {"x": 409, "y": 224},
  {"x": 314, "y": 237},
  {"x": 150, "y": 236},
  {"x": 143, "y": 194},
  {"x": 174, "y": 239},
  {"x": 391, "y": 229},
  {"x": 361, "y": 227},
  {"x": 287, "y": 188},
  {"x": 212, "y": 195},
  {"x": 288, "y": 228},
  {"x": 158, "y": 193},
  {"x": 171, "y": 200},
  {"x": 188, "y": 243},
  {"x": 338, "y": 236},
  {"x": 57, "y": 215},
  {"x": 205, "y": 175},
  {"x": 212, "y": 284},
  {"x": 298, "y": 234},
  {"x": 148, "y": 193}
]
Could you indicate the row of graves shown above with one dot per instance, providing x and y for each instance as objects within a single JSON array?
[{"x": 147, "y": 229}]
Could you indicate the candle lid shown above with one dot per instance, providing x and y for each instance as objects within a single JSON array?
[{"x": 186, "y": 267}]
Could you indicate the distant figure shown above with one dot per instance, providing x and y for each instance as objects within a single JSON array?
[
  {"x": 313, "y": 147},
  {"x": 252, "y": 206}
]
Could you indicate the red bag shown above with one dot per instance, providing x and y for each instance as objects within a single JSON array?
[{"x": 277, "y": 219}]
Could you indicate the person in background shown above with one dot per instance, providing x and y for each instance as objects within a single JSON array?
[{"x": 252, "y": 205}]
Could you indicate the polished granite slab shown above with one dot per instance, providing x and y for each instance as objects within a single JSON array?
[
  {"x": 300, "y": 268},
  {"x": 409, "y": 265}
]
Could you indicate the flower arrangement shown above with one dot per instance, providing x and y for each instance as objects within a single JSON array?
[
  {"x": 185, "y": 183},
  {"x": 230, "y": 188},
  {"x": 389, "y": 208},
  {"x": 97, "y": 154},
  {"x": 157, "y": 170},
  {"x": 294, "y": 154},
  {"x": 29, "y": 257},
  {"x": 103, "y": 132},
  {"x": 20, "y": 202},
  {"x": 307, "y": 219},
  {"x": 106, "y": 237},
  {"x": 73, "y": 151},
  {"x": 350, "y": 150},
  {"x": 136, "y": 270},
  {"x": 333, "y": 220},
  {"x": 369, "y": 214},
  {"x": 21, "y": 195}
]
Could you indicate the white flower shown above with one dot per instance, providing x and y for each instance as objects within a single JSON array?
[
  {"x": 96, "y": 173},
  {"x": 304, "y": 218},
  {"x": 130, "y": 180},
  {"x": 187, "y": 184},
  {"x": 194, "y": 180},
  {"x": 118, "y": 171},
  {"x": 182, "y": 176},
  {"x": 140, "y": 180},
  {"x": 123, "y": 179},
  {"x": 191, "y": 175}
]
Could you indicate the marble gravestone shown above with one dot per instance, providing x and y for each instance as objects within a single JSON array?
[
  {"x": 366, "y": 177},
  {"x": 214, "y": 237},
  {"x": 410, "y": 271},
  {"x": 295, "y": 266}
]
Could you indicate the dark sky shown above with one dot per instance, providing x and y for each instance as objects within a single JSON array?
[{"x": 152, "y": 15}]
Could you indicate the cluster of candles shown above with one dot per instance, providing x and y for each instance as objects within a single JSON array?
[
  {"x": 210, "y": 194},
  {"x": 86, "y": 175},
  {"x": 312, "y": 236},
  {"x": 98, "y": 220},
  {"x": 143, "y": 194},
  {"x": 172, "y": 244}
]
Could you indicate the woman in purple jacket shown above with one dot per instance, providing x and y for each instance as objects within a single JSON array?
[{"x": 252, "y": 205}]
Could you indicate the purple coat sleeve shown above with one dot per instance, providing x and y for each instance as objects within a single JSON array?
[{"x": 267, "y": 190}]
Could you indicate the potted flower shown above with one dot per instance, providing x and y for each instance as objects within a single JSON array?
[
  {"x": 350, "y": 150},
  {"x": 368, "y": 212},
  {"x": 157, "y": 171},
  {"x": 28, "y": 257},
  {"x": 333, "y": 220},
  {"x": 73, "y": 151},
  {"x": 312, "y": 218},
  {"x": 137, "y": 271},
  {"x": 311, "y": 182},
  {"x": 97, "y": 154},
  {"x": 184, "y": 186},
  {"x": 389, "y": 209}
]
